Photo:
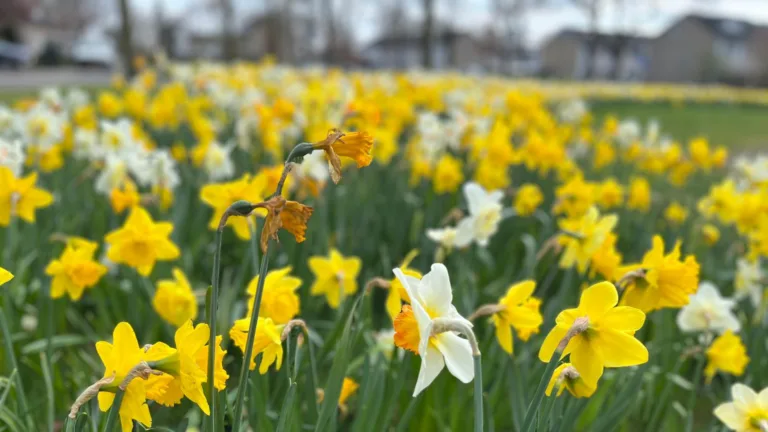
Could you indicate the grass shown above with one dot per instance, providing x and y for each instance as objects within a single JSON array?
[{"x": 739, "y": 127}]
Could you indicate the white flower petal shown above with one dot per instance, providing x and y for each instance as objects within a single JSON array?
[
  {"x": 431, "y": 364},
  {"x": 458, "y": 356},
  {"x": 743, "y": 395},
  {"x": 465, "y": 232},
  {"x": 730, "y": 415},
  {"x": 762, "y": 398},
  {"x": 435, "y": 290},
  {"x": 476, "y": 197}
]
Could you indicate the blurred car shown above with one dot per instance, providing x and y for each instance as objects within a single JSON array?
[
  {"x": 12, "y": 55},
  {"x": 94, "y": 50}
]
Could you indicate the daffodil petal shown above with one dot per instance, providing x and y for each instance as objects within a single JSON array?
[
  {"x": 598, "y": 299},
  {"x": 623, "y": 319},
  {"x": 730, "y": 415},
  {"x": 431, "y": 364},
  {"x": 457, "y": 354},
  {"x": 550, "y": 343},
  {"x": 620, "y": 349}
]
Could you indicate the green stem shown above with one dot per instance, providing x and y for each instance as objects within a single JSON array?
[
  {"x": 661, "y": 402},
  {"x": 245, "y": 368},
  {"x": 21, "y": 398},
  {"x": 212, "y": 327},
  {"x": 478, "y": 393},
  {"x": 530, "y": 414},
  {"x": 114, "y": 412},
  {"x": 694, "y": 393}
]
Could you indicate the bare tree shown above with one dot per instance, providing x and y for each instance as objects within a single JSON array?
[
  {"x": 13, "y": 12},
  {"x": 428, "y": 8},
  {"x": 126, "y": 41},
  {"x": 228, "y": 39}
]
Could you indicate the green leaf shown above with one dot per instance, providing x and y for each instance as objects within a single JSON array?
[
  {"x": 338, "y": 371},
  {"x": 59, "y": 341}
]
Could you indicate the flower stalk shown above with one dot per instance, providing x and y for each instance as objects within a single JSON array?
[
  {"x": 141, "y": 370},
  {"x": 580, "y": 325},
  {"x": 442, "y": 325}
]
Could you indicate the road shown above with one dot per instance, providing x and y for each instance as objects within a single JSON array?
[{"x": 35, "y": 78}]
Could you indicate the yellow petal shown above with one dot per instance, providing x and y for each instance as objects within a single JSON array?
[
  {"x": 503, "y": 334},
  {"x": 620, "y": 349},
  {"x": 598, "y": 299},
  {"x": 623, "y": 319},
  {"x": 550, "y": 343},
  {"x": 5, "y": 276}
]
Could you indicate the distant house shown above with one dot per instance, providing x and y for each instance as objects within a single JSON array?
[
  {"x": 573, "y": 54},
  {"x": 451, "y": 50},
  {"x": 698, "y": 48}
]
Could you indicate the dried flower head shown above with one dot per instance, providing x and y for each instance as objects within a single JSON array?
[
  {"x": 290, "y": 215},
  {"x": 354, "y": 145}
]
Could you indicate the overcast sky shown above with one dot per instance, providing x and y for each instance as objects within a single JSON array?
[{"x": 645, "y": 17}]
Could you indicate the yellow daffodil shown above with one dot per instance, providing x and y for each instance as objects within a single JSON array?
[
  {"x": 639, "y": 195},
  {"x": 527, "y": 199},
  {"x": 141, "y": 242},
  {"x": 187, "y": 363},
  {"x": 5, "y": 276},
  {"x": 75, "y": 270},
  {"x": 397, "y": 293},
  {"x": 566, "y": 377},
  {"x": 279, "y": 300},
  {"x": 348, "y": 388},
  {"x": 267, "y": 341},
  {"x": 721, "y": 201},
  {"x": 19, "y": 197},
  {"x": 606, "y": 259},
  {"x": 583, "y": 236},
  {"x": 513, "y": 313},
  {"x": 119, "y": 357},
  {"x": 124, "y": 198},
  {"x": 110, "y": 104},
  {"x": 660, "y": 281},
  {"x": 448, "y": 175},
  {"x": 575, "y": 197},
  {"x": 608, "y": 340},
  {"x": 710, "y": 234},
  {"x": 675, "y": 213},
  {"x": 747, "y": 413},
  {"x": 335, "y": 276},
  {"x": 174, "y": 300},
  {"x": 728, "y": 354},
  {"x": 604, "y": 155},
  {"x": 221, "y": 195},
  {"x": 610, "y": 194}
]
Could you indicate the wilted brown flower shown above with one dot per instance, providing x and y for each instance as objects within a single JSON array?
[
  {"x": 354, "y": 145},
  {"x": 289, "y": 215}
]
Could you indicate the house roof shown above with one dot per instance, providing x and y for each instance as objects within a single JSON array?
[
  {"x": 604, "y": 39},
  {"x": 725, "y": 28}
]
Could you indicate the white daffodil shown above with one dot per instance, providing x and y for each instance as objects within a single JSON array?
[
  {"x": 41, "y": 127},
  {"x": 628, "y": 132},
  {"x": 113, "y": 175},
  {"x": 86, "y": 144},
  {"x": 747, "y": 412},
  {"x": 117, "y": 136},
  {"x": 12, "y": 155},
  {"x": 7, "y": 117},
  {"x": 156, "y": 168},
  {"x": 314, "y": 167},
  {"x": 431, "y": 303},
  {"x": 217, "y": 162},
  {"x": 708, "y": 310},
  {"x": 484, "y": 216},
  {"x": 51, "y": 96},
  {"x": 749, "y": 280},
  {"x": 446, "y": 237}
]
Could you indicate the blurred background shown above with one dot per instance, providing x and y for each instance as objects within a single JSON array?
[{"x": 65, "y": 42}]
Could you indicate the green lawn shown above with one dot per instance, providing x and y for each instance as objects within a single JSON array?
[{"x": 739, "y": 127}]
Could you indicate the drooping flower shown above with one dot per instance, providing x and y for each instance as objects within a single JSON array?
[
  {"x": 289, "y": 215},
  {"x": 661, "y": 281},
  {"x": 19, "y": 197},
  {"x": 334, "y": 275},
  {"x": 728, "y": 354},
  {"x": 279, "y": 300},
  {"x": 484, "y": 216},
  {"x": 354, "y": 145},
  {"x": 75, "y": 270},
  {"x": 221, "y": 195},
  {"x": 748, "y": 412},
  {"x": 708, "y": 311},
  {"x": 607, "y": 342},
  {"x": 527, "y": 199},
  {"x": 141, "y": 242},
  {"x": 566, "y": 377},
  {"x": 431, "y": 299},
  {"x": 188, "y": 365},
  {"x": 119, "y": 357},
  {"x": 583, "y": 236},
  {"x": 174, "y": 300},
  {"x": 514, "y": 313},
  {"x": 267, "y": 340},
  {"x": 397, "y": 293}
]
